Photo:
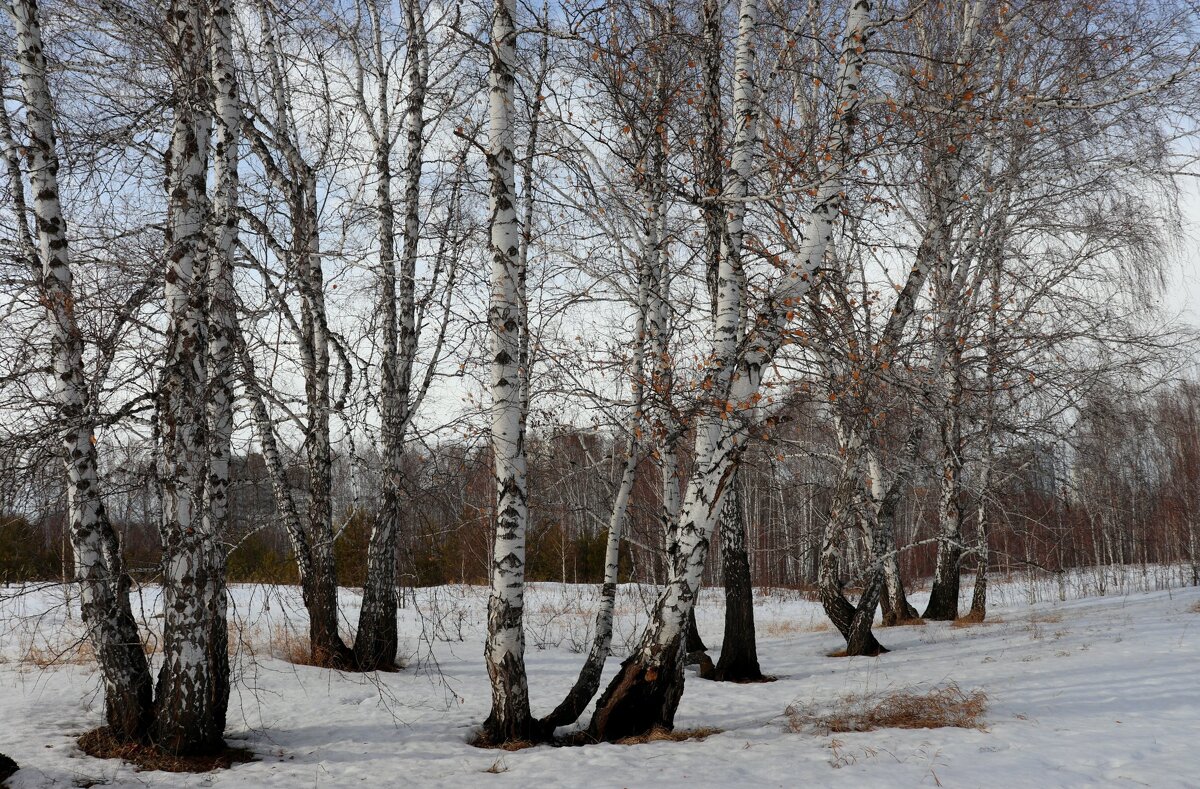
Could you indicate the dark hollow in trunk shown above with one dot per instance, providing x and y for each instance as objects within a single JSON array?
[
  {"x": 695, "y": 645},
  {"x": 643, "y": 696}
]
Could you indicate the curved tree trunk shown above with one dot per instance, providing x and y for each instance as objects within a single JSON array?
[
  {"x": 99, "y": 569},
  {"x": 853, "y": 622},
  {"x": 638, "y": 699},
  {"x": 588, "y": 682}
]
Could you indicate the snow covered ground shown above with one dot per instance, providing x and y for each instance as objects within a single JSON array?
[{"x": 1094, "y": 691}]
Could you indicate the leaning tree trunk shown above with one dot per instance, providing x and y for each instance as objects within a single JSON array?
[
  {"x": 643, "y": 695},
  {"x": 588, "y": 682},
  {"x": 739, "y": 652},
  {"x": 103, "y": 582},
  {"x": 510, "y": 719},
  {"x": 192, "y": 691}
]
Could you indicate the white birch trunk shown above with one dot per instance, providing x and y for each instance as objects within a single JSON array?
[
  {"x": 192, "y": 694},
  {"x": 104, "y": 586},
  {"x": 504, "y": 651}
]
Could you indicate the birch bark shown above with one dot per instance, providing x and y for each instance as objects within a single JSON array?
[
  {"x": 192, "y": 691},
  {"x": 104, "y": 585},
  {"x": 376, "y": 641},
  {"x": 504, "y": 650}
]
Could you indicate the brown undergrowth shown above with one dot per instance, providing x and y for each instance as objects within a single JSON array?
[
  {"x": 971, "y": 620},
  {"x": 914, "y": 622},
  {"x": 947, "y": 706},
  {"x": 781, "y": 628},
  {"x": 100, "y": 744},
  {"x": 582, "y": 738}
]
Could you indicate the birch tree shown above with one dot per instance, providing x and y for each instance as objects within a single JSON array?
[
  {"x": 99, "y": 566},
  {"x": 510, "y": 718},
  {"x": 637, "y": 699},
  {"x": 193, "y": 690}
]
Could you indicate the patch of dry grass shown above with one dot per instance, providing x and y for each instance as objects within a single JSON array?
[
  {"x": 942, "y": 707},
  {"x": 1195, "y": 607},
  {"x": 285, "y": 644},
  {"x": 80, "y": 653},
  {"x": 100, "y": 744},
  {"x": 659, "y": 734},
  {"x": 914, "y": 622},
  {"x": 781, "y": 628},
  {"x": 971, "y": 620}
]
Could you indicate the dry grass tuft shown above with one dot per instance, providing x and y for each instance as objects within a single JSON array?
[
  {"x": 80, "y": 653},
  {"x": 293, "y": 647},
  {"x": 970, "y": 620},
  {"x": 1195, "y": 607},
  {"x": 914, "y": 622},
  {"x": 781, "y": 628},
  {"x": 942, "y": 707},
  {"x": 1046, "y": 618},
  {"x": 100, "y": 744},
  {"x": 659, "y": 734}
]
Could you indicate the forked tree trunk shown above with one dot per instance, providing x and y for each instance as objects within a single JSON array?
[
  {"x": 853, "y": 622},
  {"x": 192, "y": 692},
  {"x": 104, "y": 585},
  {"x": 376, "y": 641},
  {"x": 296, "y": 181}
]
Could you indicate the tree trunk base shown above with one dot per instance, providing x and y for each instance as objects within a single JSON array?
[
  {"x": 336, "y": 656},
  {"x": 639, "y": 699},
  {"x": 511, "y": 735},
  {"x": 738, "y": 675},
  {"x": 7, "y": 768},
  {"x": 943, "y": 602},
  {"x": 102, "y": 744},
  {"x": 897, "y": 615}
]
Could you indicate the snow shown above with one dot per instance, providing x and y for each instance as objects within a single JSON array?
[{"x": 1082, "y": 692}]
